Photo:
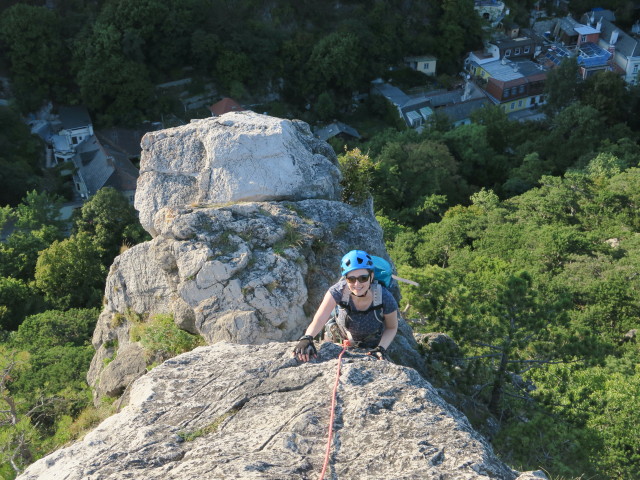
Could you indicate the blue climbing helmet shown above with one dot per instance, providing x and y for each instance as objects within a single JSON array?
[{"x": 355, "y": 260}]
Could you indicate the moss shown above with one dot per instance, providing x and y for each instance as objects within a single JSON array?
[
  {"x": 211, "y": 428},
  {"x": 117, "y": 320}
]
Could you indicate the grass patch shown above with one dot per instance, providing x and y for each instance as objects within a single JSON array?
[
  {"x": 291, "y": 238},
  {"x": 211, "y": 428},
  {"x": 161, "y": 337}
]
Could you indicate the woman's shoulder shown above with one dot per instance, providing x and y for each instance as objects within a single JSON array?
[
  {"x": 387, "y": 297},
  {"x": 337, "y": 288}
]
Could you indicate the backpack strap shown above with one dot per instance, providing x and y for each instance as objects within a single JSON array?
[{"x": 376, "y": 290}]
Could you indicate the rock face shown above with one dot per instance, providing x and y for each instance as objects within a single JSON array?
[
  {"x": 247, "y": 235},
  {"x": 225, "y": 266},
  {"x": 238, "y": 157},
  {"x": 232, "y": 411}
]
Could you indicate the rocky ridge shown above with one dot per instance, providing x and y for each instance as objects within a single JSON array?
[
  {"x": 248, "y": 230},
  {"x": 252, "y": 412}
]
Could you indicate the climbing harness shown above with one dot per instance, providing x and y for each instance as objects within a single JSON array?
[{"x": 346, "y": 344}]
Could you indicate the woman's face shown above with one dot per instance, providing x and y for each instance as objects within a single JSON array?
[{"x": 358, "y": 281}]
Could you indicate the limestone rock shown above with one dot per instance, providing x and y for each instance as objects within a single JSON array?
[
  {"x": 240, "y": 156},
  {"x": 252, "y": 412},
  {"x": 244, "y": 273}
]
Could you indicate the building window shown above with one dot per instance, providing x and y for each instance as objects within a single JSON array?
[
  {"x": 59, "y": 160},
  {"x": 514, "y": 90},
  {"x": 426, "y": 66},
  {"x": 527, "y": 49},
  {"x": 583, "y": 38},
  {"x": 507, "y": 53},
  {"x": 519, "y": 103},
  {"x": 517, "y": 51},
  {"x": 74, "y": 140},
  {"x": 506, "y": 93},
  {"x": 521, "y": 89},
  {"x": 513, "y": 105},
  {"x": 635, "y": 68}
]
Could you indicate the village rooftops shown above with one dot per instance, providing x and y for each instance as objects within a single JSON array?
[
  {"x": 74, "y": 117},
  {"x": 625, "y": 44},
  {"x": 568, "y": 25},
  {"x": 225, "y": 105},
  {"x": 392, "y": 93},
  {"x": 587, "y": 54},
  {"x": 505, "y": 71},
  {"x": 336, "y": 128}
]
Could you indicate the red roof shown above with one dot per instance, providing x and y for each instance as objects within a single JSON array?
[{"x": 225, "y": 105}]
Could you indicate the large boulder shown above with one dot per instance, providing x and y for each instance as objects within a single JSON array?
[
  {"x": 223, "y": 265},
  {"x": 241, "y": 156},
  {"x": 252, "y": 412}
]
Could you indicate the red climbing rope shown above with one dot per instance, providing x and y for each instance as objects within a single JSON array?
[{"x": 345, "y": 345}]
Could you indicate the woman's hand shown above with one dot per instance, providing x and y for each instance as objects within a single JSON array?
[
  {"x": 305, "y": 350},
  {"x": 379, "y": 352}
]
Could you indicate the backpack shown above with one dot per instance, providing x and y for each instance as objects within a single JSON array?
[{"x": 382, "y": 271}]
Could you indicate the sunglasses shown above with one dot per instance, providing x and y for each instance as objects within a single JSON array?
[{"x": 359, "y": 278}]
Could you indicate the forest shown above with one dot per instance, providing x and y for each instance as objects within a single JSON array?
[{"x": 524, "y": 237}]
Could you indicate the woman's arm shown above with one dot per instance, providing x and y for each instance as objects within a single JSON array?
[
  {"x": 322, "y": 315},
  {"x": 390, "y": 329}
]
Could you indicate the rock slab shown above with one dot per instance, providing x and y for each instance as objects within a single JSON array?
[{"x": 230, "y": 411}]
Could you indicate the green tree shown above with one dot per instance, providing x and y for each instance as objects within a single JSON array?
[
  {"x": 37, "y": 224},
  {"x": 496, "y": 122},
  {"x": 357, "y": 175},
  {"x": 335, "y": 63},
  {"x": 43, "y": 367},
  {"x": 60, "y": 352},
  {"x": 409, "y": 174},
  {"x": 479, "y": 164},
  {"x": 461, "y": 30},
  {"x": 561, "y": 86},
  {"x": 17, "y": 300},
  {"x": 111, "y": 221},
  {"x": 17, "y": 433},
  {"x": 70, "y": 273},
  {"x": 37, "y": 54},
  {"x": 233, "y": 67},
  {"x": 580, "y": 129},
  {"x": 20, "y": 156},
  {"x": 116, "y": 87},
  {"x": 526, "y": 176},
  {"x": 607, "y": 93},
  {"x": 325, "y": 106}
]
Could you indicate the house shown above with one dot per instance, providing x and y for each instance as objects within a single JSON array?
[
  {"x": 94, "y": 166},
  {"x": 126, "y": 141},
  {"x": 514, "y": 85},
  {"x": 337, "y": 129},
  {"x": 416, "y": 111},
  {"x": 513, "y": 48},
  {"x": 460, "y": 113},
  {"x": 425, "y": 64},
  {"x": 225, "y": 105},
  {"x": 413, "y": 110},
  {"x": 76, "y": 124},
  {"x": 591, "y": 58},
  {"x": 624, "y": 48}
]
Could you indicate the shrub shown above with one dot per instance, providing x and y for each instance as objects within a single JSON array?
[{"x": 161, "y": 338}]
